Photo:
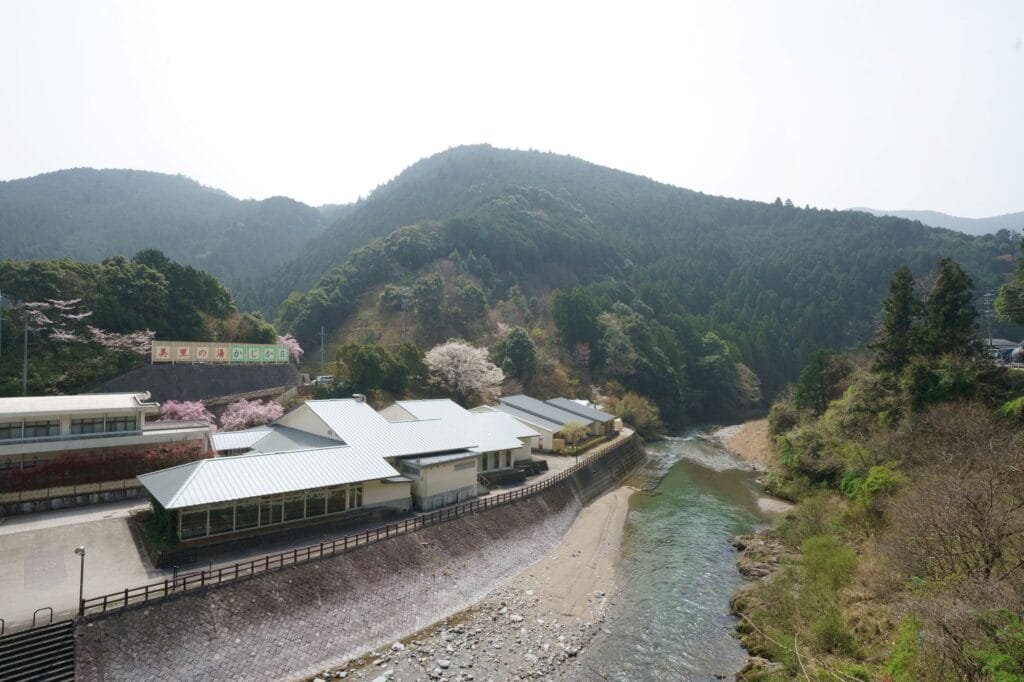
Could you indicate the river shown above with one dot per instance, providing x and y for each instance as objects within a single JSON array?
[{"x": 670, "y": 619}]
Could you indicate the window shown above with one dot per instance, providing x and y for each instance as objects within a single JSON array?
[
  {"x": 115, "y": 424},
  {"x": 336, "y": 500},
  {"x": 42, "y": 429},
  {"x": 28, "y": 462},
  {"x": 294, "y": 507},
  {"x": 508, "y": 458},
  {"x": 222, "y": 520},
  {"x": 247, "y": 515},
  {"x": 87, "y": 425},
  {"x": 483, "y": 462},
  {"x": 315, "y": 502},
  {"x": 10, "y": 430},
  {"x": 193, "y": 524},
  {"x": 355, "y": 497},
  {"x": 497, "y": 460},
  {"x": 270, "y": 511}
]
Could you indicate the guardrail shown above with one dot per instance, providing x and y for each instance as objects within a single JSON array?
[{"x": 181, "y": 584}]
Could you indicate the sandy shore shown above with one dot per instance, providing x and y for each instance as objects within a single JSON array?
[
  {"x": 750, "y": 441},
  {"x": 533, "y": 626}
]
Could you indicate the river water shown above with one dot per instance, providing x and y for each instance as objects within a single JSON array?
[{"x": 670, "y": 619}]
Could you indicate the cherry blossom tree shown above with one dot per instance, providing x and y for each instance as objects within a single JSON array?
[
  {"x": 464, "y": 370},
  {"x": 173, "y": 410},
  {"x": 294, "y": 349},
  {"x": 135, "y": 342},
  {"x": 248, "y": 413},
  {"x": 62, "y": 321}
]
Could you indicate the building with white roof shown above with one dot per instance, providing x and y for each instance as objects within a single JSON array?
[{"x": 35, "y": 429}]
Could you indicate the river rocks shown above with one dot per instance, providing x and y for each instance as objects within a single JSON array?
[{"x": 513, "y": 634}]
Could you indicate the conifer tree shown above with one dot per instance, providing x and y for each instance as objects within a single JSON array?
[{"x": 897, "y": 339}]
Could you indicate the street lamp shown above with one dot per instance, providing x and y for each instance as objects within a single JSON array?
[{"x": 80, "y": 551}]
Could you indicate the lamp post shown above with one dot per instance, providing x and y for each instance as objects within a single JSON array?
[{"x": 80, "y": 551}]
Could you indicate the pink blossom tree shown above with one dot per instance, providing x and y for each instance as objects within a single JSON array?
[
  {"x": 173, "y": 410},
  {"x": 247, "y": 413},
  {"x": 294, "y": 349},
  {"x": 464, "y": 370}
]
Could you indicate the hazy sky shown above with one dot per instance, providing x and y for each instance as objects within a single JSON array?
[{"x": 885, "y": 104}]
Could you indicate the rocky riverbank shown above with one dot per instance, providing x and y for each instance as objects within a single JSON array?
[
  {"x": 534, "y": 627},
  {"x": 749, "y": 441},
  {"x": 761, "y": 555}
]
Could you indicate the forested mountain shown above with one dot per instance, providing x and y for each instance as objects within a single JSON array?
[
  {"x": 699, "y": 286},
  {"x": 976, "y": 226},
  {"x": 86, "y": 215}
]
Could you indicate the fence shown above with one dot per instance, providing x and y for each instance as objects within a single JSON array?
[{"x": 181, "y": 584}]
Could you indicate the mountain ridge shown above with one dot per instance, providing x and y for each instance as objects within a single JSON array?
[{"x": 971, "y": 226}]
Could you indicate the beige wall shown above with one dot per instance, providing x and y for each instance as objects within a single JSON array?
[
  {"x": 443, "y": 478},
  {"x": 376, "y": 492},
  {"x": 396, "y": 413},
  {"x": 523, "y": 453}
]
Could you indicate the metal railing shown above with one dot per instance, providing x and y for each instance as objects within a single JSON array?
[
  {"x": 181, "y": 584},
  {"x": 73, "y": 490}
]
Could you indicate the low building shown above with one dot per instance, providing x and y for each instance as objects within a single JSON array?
[
  {"x": 37, "y": 429},
  {"x": 225, "y": 495},
  {"x": 549, "y": 417},
  {"x": 500, "y": 440}
]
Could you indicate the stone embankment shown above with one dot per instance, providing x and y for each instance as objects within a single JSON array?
[{"x": 296, "y": 622}]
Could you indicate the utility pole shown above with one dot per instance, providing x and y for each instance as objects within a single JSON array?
[
  {"x": 321, "y": 350},
  {"x": 405, "y": 307},
  {"x": 24, "y": 356},
  {"x": 989, "y": 310}
]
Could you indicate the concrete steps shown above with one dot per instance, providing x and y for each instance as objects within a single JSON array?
[{"x": 42, "y": 653}]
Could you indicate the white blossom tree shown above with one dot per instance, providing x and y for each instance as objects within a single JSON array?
[
  {"x": 247, "y": 413},
  {"x": 464, "y": 370},
  {"x": 294, "y": 349}
]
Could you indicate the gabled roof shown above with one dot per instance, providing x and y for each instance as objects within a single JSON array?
[
  {"x": 356, "y": 423},
  {"x": 224, "y": 479},
  {"x": 236, "y": 440},
  {"x": 284, "y": 439},
  {"x": 490, "y": 431},
  {"x": 525, "y": 403},
  {"x": 588, "y": 413},
  {"x": 530, "y": 419}
]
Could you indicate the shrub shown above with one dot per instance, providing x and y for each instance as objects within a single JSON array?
[
  {"x": 908, "y": 641},
  {"x": 830, "y": 633},
  {"x": 827, "y": 563}
]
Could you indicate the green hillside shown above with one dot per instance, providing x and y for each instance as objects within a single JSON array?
[
  {"x": 667, "y": 267},
  {"x": 87, "y": 215}
]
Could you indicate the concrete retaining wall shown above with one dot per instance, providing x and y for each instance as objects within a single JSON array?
[
  {"x": 200, "y": 382},
  {"x": 293, "y": 623}
]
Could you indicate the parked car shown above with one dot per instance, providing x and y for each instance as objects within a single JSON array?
[{"x": 324, "y": 380}]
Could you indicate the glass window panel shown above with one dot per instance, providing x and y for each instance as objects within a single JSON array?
[
  {"x": 315, "y": 502},
  {"x": 87, "y": 425},
  {"x": 41, "y": 429},
  {"x": 222, "y": 520},
  {"x": 270, "y": 512},
  {"x": 294, "y": 507},
  {"x": 193, "y": 524},
  {"x": 508, "y": 458},
  {"x": 247, "y": 515},
  {"x": 355, "y": 497},
  {"x": 10, "y": 430},
  {"x": 336, "y": 500}
]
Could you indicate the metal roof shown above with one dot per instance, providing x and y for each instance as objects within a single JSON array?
[
  {"x": 236, "y": 440},
  {"x": 224, "y": 479},
  {"x": 357, "y": 423},
  {"x": 589, "y": 413},
  {"x": 530, "y": 419},
  {"x": 434, "y": 460},
  {"x": 490, "y": 430},
  {"x": 283, "y": 439},
  {"x": 540, "y": 408},
  {"x": 40, "y": 405}
]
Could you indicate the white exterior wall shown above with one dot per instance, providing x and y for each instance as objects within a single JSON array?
[
  {"x": 303, "y": 418},
  {"x": 546, "y": 439},
  {"x": 523, "y": 453}
]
